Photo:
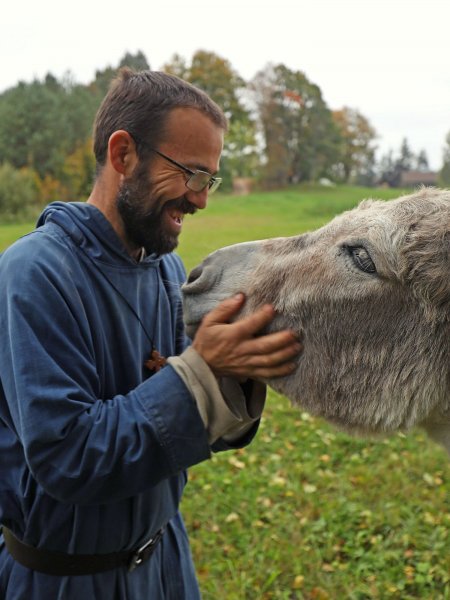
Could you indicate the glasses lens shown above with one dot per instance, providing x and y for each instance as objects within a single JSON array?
[
  {"x": 198, "y": 181},
  {"x": 214, "y": 184}
]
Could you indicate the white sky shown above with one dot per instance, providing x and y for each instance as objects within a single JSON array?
[{"x": 390, "y": 59}]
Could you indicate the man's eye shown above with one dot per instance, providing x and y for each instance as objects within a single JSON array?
[{"x": 361, "y": 258}]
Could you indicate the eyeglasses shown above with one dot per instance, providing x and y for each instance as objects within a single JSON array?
[{"x": 198, "y": 180}]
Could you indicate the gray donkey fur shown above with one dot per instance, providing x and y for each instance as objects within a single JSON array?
[{"x": 370, "y": 294}]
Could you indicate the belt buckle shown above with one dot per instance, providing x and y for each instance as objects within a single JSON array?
[{"x": 144, "y": 551}]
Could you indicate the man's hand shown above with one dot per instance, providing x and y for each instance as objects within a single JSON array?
[{"x": 232, "y": 349}]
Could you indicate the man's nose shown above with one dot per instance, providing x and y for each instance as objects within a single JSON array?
[{"x": 198, "y": 199}]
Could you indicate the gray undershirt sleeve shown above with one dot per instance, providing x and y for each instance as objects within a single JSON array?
[{"x": 227, "y": 412}]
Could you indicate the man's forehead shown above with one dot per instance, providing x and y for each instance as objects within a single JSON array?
[
  {"x": 184, "y": 116},
  {"x": 192, "y": 136}
]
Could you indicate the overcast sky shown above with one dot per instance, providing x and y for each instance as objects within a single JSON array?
[{"x": 390, "y": 59}]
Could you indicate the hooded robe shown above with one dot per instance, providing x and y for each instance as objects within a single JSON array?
[{"x": 94, "y": 450}]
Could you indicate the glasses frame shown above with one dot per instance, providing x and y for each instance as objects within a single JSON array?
[{"x": 212, "y": 182}]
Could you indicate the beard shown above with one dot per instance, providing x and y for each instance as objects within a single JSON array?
[{"x": 143, "y": 216}]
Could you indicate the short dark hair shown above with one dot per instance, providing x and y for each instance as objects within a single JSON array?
[{"x": 140, "y": 102}]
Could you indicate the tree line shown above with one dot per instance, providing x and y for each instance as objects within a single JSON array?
[{"x": 281, "y": 132}]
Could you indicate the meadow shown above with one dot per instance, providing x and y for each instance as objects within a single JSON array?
[{"x": 307, "y": 512}]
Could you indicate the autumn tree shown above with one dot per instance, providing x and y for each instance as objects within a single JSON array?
[
  {"x": 357, "y": 158},
  {"x": 216, "y": 76},
  {"x": 302, "y": 141},
  {"x": 43, "y": 122},
  {"x": 19, "y": 193},
  {"x": 78, "y": 171}
]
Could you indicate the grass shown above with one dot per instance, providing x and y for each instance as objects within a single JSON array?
[
  {"x": 232, "y": 219},
  {"x": 307, "y": 512}
]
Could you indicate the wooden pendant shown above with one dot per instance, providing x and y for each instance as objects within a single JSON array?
[{"x": 156, "y": 362}]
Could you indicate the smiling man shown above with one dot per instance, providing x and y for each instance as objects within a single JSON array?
[{"x": 104, "y": 403}]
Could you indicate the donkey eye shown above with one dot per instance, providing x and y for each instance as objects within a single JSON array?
[{"x": 362, "y": 259}]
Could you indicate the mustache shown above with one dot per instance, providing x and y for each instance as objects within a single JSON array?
[{"x": 181, "y": 204}]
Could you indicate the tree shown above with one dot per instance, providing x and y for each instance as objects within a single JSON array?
[
  {"x": 42, "y": 122},
  {"x": 406, "y": 160},
  {"x": 422, "y": 161},
  {"x": 177, "y": 66},
  {"x": 137, "y": 62},
  {"x": 19, "y": 193},
  {"x": 99, "y": 87},
  {"x": 78, "y": 172},
  {"x": 388, "y": 174},
  {"x": 302, "y": 142},
  {"x": 215, "y": 76},
  {"x": 357, "y": 149},
  {"x": 444, "y": 174},
  {"x": 391, "y": 169},
  {"x": 103, "y": 77},
  {"x": 34, "y": 126}
]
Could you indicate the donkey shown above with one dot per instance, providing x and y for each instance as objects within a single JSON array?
[{"x": 370, "y": 295}]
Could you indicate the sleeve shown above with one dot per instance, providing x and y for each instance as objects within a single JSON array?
[
  {"x": 79, "y": 448},
  {"x": 228, "y": 410}
]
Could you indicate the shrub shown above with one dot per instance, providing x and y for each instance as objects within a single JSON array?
[{"x": 20, "y": 195}]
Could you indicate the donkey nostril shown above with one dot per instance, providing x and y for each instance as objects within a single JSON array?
[{"x": 195, "y": 274}]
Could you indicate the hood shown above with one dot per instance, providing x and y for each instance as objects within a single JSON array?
[{"x": 92, "y": 232}]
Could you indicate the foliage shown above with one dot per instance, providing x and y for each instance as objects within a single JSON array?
[
  {"x": 357, "y": 150},
  {"x": 391, "y": 168},
  {"x": 103, "y": 77},
  {"x": 218, "y": 79},
  {"x": 422, "y": 161},
  {"x": 42, "y": 122},
  {"x": 301, "y": 138},
  {"x": 78, "y": 171},
  {"x": 444, "y": 174},
  {"x": 137, "y": 62},
  {"x": 281, "y": 130},
  {"x": 19, "y": 193}
]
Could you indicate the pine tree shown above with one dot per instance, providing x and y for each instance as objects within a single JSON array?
[{"x": 444, "y": 175}]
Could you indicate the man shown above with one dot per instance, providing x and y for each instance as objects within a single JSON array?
[{"x": 96, "y": 434}]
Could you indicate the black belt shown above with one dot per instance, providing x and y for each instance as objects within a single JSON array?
[{"x": 58, "y": 563}]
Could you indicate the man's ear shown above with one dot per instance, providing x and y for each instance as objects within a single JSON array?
[{"x": 122, "y": 152}]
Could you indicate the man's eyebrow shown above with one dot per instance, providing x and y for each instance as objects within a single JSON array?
[{"x": 203, "y": 168}]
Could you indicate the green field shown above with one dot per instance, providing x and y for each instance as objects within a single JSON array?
[{"x": 307, "y": 512}]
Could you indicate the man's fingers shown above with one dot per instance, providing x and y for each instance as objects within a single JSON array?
[
  {"x": 271, "y": 343},
  {"x": 225, "y": 310},
  {"x": 250, "y": 325},
  {"x": 280, "y": 371},
  {"x": 277, "y": 357}
]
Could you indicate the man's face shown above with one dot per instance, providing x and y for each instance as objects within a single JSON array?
[
  {"x": 153, "y": 201},
  {"x": 144, "y": 218}
]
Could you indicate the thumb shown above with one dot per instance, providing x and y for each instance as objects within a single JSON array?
[{"x": 225, "y": 310}]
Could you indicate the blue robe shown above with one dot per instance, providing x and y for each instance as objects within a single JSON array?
[{"x": 93, "y": 451}]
